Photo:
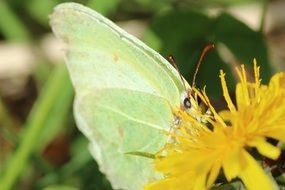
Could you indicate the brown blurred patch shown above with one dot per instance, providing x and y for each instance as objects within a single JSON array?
[{"x": 57, "y": 152}]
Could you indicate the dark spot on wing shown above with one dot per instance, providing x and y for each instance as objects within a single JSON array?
[
  {"x": 115, "y": 57},
  {"x": 65, "y": 39},
  {"x": 121, "y": 131}
]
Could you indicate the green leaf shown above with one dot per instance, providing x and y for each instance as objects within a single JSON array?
[
  {"x": 104, "y": 7},
  {"x": 142, "y": 154},
  {"x": 184, "y": 34},
  {"x": 281, "y": 180},
  {"x": 223, "y": 3},
  {"x": 10, "y": 24},
  {"x": 243, "y": 42},
  {"x": 236, "y": 185},
  {"x": 60, "y": 187},
  {"x": 40, "y": 9}
]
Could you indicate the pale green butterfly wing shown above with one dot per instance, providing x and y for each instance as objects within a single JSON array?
[
  {"x": 125, "y": 92},
  {"x": 129, "y": 123}
]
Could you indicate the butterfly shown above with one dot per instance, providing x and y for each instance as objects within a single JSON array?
[{"x": 125, "y": 93}]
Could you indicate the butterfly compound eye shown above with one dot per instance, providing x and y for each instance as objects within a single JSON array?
[{"x": 185, "y": 101}]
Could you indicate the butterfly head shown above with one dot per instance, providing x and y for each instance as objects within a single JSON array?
[
  {"x": 190, "y": 101},
  {"x": 187, "y": 100}
]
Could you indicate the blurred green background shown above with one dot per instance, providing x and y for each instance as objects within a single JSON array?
[{"x": 40, "y": 146}]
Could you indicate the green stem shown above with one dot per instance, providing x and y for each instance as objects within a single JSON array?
[
  {"x": 263, "y": 15},
  {"x": 35, "y": 123},
  {"x": 11, "y": 26}
]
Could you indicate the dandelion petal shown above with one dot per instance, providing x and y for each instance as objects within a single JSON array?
[
  {"x": 265, "y": 148},
  {"x": 254, "y": 177}
]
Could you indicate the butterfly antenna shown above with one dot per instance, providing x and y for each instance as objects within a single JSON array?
[
  {"x": 205, "y": 50},
  {"x": 173, "y": 62}
]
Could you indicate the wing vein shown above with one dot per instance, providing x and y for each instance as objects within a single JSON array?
[{"x": 132, "y": 118}]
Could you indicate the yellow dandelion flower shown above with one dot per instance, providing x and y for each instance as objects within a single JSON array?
[{"x": 199, "y": 153}]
